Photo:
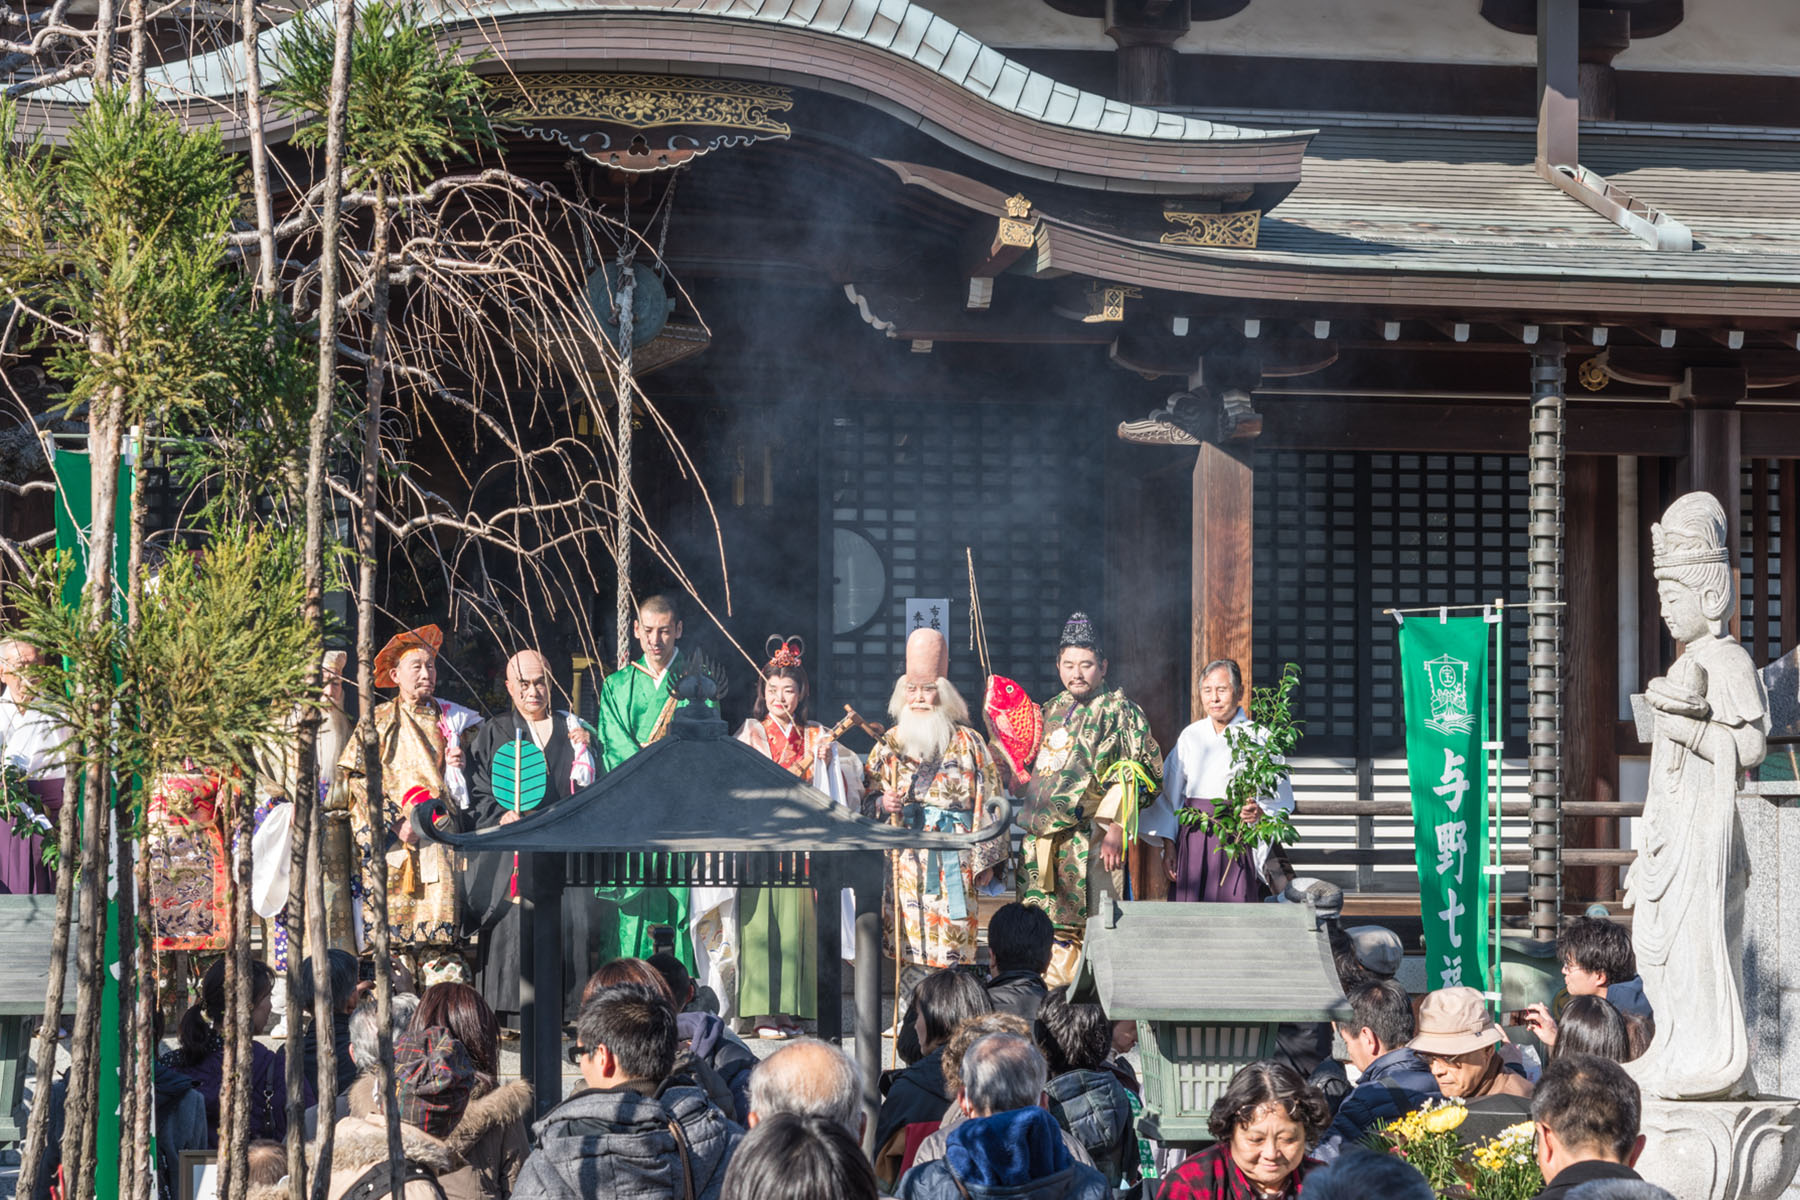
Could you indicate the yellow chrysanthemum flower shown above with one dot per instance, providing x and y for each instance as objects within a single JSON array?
[{"x": 1443, "y": 1120}]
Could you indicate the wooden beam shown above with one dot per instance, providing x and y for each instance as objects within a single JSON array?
[
  {"x": 1399, "y": 426},
  {"x": 1223, "y": 554}
]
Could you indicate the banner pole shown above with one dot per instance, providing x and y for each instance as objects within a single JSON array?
[{"x": 1496, "y": 809}]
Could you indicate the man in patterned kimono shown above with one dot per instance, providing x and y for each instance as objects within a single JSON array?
[
  {"x": 932, "y": 771},
  {"x": 505, "y": 784},
  {"x": 420, "y": 740},
  {"x": 636, "y": 704},
  {"x": 1097, "y": 752}
]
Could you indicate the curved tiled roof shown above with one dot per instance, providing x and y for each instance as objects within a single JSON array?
[
  {"x": 1438, "y": 218},
  {"x": 893, "y": 54}
]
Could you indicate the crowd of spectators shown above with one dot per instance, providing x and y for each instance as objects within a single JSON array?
[{"x": 1010, "y": 1091}]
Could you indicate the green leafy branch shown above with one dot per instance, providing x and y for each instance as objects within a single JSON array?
[
  {"x": 19, "y": 809},
  {"x": 1259, "y": 762}
]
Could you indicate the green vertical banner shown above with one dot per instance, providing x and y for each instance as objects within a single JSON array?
[
  {"x": 1444, "y": 668},
  {"x": 74, "y": 518}
]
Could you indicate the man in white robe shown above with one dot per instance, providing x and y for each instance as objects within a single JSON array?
[
  {"x": 1196, "y": 775},
  {"x": 33, "y": 743}
]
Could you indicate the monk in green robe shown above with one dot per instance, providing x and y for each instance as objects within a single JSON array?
[
  {"x": 636, "y": 704},
  {"x": 1098, "y": 761}
]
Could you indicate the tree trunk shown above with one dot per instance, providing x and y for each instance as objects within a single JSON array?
[
  {"x": 37, "y": 1126},
  {"x": 259, "y": 158},
  {"x": 318, "y": 431},
  {"x": 234, "y": 1071},
  {"x": 104, "y": 437},
  {"x": 299, "y": 1002},
  {"x": 365, "y": 655},
  {"x": 134, "y": 1152},
  {"x": 106, "y": 27},
  {"x": 236, "y": 1151},
  {"x": 142, "y": 1079},
  {"x": 134, "y": 68}
]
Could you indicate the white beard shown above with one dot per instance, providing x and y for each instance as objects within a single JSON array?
[{"x": 923, "y": 736}]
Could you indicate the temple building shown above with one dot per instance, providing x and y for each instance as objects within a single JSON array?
[{"x": 1231, "y": 322}]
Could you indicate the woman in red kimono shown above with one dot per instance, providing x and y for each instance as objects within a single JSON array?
[{"x": 778, "y": 966}]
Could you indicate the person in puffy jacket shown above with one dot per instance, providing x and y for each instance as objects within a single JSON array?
[
  {"x": 701, "y": 1038},
  {"x": 1008, "y": 1148},
  {"x": 633, "y": 1133},
  {"x": 433, "y": 1079},
  {"x": 1020, "y": 942},
  {"x": 1394, "y": 1081},
  {"x": 705, "y": 1036},
  {"x": 966, "y": 1035},
  {"x": 1086, "y": 1098}
]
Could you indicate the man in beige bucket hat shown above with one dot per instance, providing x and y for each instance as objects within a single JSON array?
[{"x": 1459, "y": 1042}]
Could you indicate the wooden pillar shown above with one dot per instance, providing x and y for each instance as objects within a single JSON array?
[
  {"x": 867, "y": 870},
  {"x": 1222, "y": 568},
  {"x": 1714, "y": 460},
  {"x": 1788, "y": 493},
  {"x": 1147, "y": 642},
  {"x": 541, "y": 977},
  {"x": 1558, "y": 83},
  {"x": 1146, "y": 32},
  {"x": 1547, "y": 564},
  {"x": 828, "y": 934},
  {"x": 1591, "y": 662}
]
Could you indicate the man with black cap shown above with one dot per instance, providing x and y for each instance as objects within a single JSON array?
[{"x": 1098, "y": 762}]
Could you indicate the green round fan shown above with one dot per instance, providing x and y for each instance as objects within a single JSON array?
[{"x": 519, "y": 774}]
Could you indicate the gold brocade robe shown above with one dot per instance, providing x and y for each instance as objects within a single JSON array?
[
  {"x": 421, "y": 879},
  {"x": 939, "y": 917}
]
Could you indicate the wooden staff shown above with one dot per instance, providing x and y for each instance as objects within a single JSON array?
[{"x": 890, "y": 782}]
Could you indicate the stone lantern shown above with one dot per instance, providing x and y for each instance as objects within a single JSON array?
[{"x": 1208, "y": 985}]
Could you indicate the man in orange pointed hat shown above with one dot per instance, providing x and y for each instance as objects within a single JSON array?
[
  {"x": 933, "y": 771},
  {"x": 420, "y": 739}
]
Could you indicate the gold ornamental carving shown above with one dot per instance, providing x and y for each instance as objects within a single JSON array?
[
  {"x": 1017, "y": 205},
  {"x": 1015, "y": 233},
  {"x": 644, "y": 101},
  {"x": 1593, "y": 375},
  {"x": 1106, "y": 303},
  {"x": 1235, "y": 230}
]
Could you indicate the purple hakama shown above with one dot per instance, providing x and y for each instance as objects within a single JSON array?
[
  {"x": 1203, "y": 872},
  {"x": 22, "y": 869}
]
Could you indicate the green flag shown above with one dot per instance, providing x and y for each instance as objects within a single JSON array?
[
  {"x": 1443, "y": 666},
  {"x": 74, "y": 516}
]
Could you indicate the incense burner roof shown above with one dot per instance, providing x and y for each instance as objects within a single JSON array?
[{"x": 700, "y": 790}]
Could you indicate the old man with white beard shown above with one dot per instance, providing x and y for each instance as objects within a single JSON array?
[{"x": 932, "y": 771}]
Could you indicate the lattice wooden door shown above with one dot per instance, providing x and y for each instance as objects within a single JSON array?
[{"x": 909, "y": 486}]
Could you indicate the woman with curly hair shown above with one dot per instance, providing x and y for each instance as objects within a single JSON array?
[{"x": 1265, "y": 1123}]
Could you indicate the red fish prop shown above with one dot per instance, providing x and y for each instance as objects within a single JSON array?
[{"x": 1016, "y": 724}]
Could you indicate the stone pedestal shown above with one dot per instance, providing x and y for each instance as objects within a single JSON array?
[
  {"x": 1721, "y": 1149},
  {"x": 1772, "y": 948}
]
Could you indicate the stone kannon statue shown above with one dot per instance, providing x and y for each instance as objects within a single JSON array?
[{"x": 1711, "y": 722}]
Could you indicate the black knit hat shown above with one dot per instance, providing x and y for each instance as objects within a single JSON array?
[{"x": 1078, "y": 633}]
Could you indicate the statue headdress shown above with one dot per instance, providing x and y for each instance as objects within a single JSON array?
[
  {"x": 1688, "y": 547},
  {"x": 1691, "y": 534}
]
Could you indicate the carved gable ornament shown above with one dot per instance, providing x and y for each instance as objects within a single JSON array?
[
  {"x": 641, "y": 122},
  {"x": 1236, "y": 230}
]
